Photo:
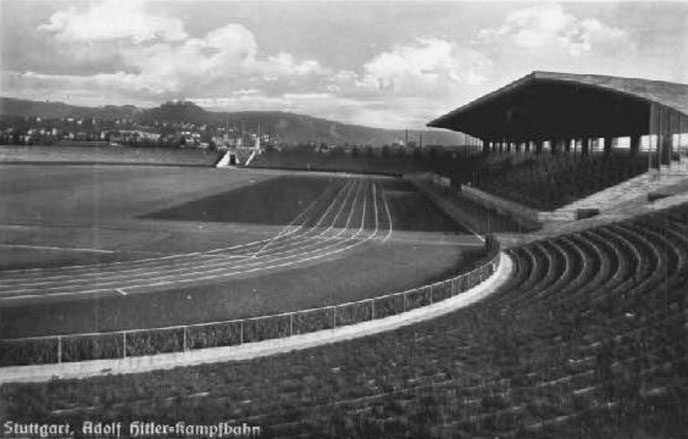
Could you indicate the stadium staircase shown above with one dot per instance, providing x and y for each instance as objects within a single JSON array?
[
  {"x": 224, "y": 161},
  {"x": 243, "y": 157},
  {"x": 251, "y": 157}
]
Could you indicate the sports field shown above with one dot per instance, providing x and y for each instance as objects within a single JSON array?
[{"x": 91, "y": 248}]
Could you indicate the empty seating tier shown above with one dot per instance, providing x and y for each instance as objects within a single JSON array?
[{"x": 547, "y": 182}]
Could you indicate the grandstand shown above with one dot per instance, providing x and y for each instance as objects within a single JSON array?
[{"x": 556, "y": 138}]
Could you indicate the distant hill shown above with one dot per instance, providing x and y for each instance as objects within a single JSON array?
[
  {"x": 47, "y": 110},
  {"x": 289, "y": 127},
  {"x": 182, "y": 111}
]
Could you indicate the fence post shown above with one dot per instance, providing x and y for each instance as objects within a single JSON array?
[
  {"x": 59, "y": 349},
  {"x": 291, "y": 324},
  {"x": 334, "y": 317},
  {"x": 372, "y": 309},
  {"x": 241, "y": 332},
  {"x": 431, "y": 290},
  {"x": 184, "y": 347},
  {"x": 124, "y": 345},
  {"x": 404, "y": 296}
]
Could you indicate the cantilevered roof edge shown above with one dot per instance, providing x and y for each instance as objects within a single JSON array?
[{"x": 647, "y": 90}]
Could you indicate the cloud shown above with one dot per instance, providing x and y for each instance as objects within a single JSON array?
[
  {"x": 128, "y": 52},
  {"x": 547, "y": 29},
  {"x": 157, "y": 57},
  {"x": 197, "y": 62},
  {"x": 225, "y": 70},
  {"x": 112, "y": 20},
  {"x": 549, "y": 37},
  {"x": 427, "y": 67}
]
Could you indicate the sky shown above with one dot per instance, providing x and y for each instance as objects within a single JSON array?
[{"x": 388, "y": 64}]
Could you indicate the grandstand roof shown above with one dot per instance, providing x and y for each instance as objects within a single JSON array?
[{"x": 549, "y": 104}]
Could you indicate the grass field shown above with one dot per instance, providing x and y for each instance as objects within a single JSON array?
[
  {"x": 51, "y": 215},
  {"x": 128, "y": 226},
  {"x": 275, "y": 201},
  {"x": 76, "y": 153}
]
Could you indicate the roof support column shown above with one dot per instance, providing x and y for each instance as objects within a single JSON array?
[
  {"x": 538, "y": 146},
  {"x": 635, "y": 144},
  {"x": 653, "y": 155},
  {"x": 567, "y": 145},
  {"x": 585, "y": 146},
  {"x": 554, "y": 146},
  {"x": 526, "y": 146},
  {"x": 672, "y": 128},
  {"x": 681, "y": 147},
  {"x": 679, "y": 130},
  {"x": 608, "y": 145},
  {"x": 665, "y": 137}
]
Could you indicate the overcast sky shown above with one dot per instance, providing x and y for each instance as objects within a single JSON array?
[{"x": 386, "y": 64}]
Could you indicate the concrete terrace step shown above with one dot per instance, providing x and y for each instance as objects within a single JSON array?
[
  {"x": 623, "y": 212},
  {"x": 635, "y": 188}
]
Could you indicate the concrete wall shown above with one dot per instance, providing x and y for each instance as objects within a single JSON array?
[
  {"x": 445, "y": 205},
  {"x": 505, "y": 207},
  {"x": 516, "y": 211}
]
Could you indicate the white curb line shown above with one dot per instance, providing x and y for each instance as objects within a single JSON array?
[{"x": 46, "y": 372}]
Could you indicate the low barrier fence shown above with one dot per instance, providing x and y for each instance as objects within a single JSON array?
[{"x": 138, "y": 342}]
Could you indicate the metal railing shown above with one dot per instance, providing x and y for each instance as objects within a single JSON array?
[{"x": 180, "y": 338}]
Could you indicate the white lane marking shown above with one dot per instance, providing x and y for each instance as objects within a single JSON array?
[
  {"x": 157, "y": 263},
  {"x": 223, "y": 270},
  {"x": 377, "y": 222},
  {"x": 315, "y": 257},
  {"x": 139, "y": 262},
  {"x": 280, "y": 234},
  {"x": 317, "y": 254},
  {"x": 166, "y": 270},
  {"x": 389, "y": 215},
  {"x": 66, "y": 249}
]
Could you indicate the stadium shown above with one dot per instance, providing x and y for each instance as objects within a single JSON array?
[{"x": 530, "y": 284}]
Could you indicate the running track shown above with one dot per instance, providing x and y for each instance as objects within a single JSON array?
[{"x": 349, "y": 213}]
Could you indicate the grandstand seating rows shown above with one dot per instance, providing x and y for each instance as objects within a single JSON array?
[
  {"x": 551, "y": 181},
  {"x": 587, "y": 339}
]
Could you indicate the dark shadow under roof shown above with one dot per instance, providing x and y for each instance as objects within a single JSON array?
[{"x": 548, "y": 104}]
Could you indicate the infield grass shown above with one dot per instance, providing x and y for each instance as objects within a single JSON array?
[{"x": 275, "y": 201}]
